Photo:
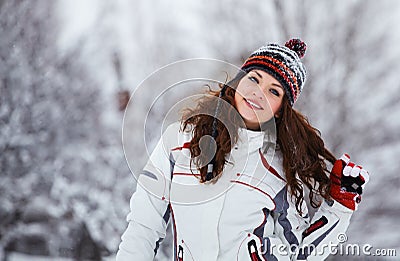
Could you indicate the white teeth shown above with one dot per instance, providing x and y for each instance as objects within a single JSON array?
[{"x": 254, "y": 105}]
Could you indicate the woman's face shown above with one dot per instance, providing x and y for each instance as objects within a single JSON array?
[{"x": 258, "y": 98}]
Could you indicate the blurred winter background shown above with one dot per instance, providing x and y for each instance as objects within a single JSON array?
[{"x": 66, "y": 67}]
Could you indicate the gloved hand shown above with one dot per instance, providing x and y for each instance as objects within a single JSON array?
[{"x": 347, "y": 182}]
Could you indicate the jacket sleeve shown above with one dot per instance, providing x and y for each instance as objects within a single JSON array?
[
  {"x": 149, "y": 207},
  {"x": 306, "y": 240},
  {"x": 328, "y": 227}
]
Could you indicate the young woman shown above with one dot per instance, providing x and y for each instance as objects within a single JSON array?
[{"x": 244, "y": 196}]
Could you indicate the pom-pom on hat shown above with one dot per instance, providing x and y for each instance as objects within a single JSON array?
[{"x": 283, "y": 63}]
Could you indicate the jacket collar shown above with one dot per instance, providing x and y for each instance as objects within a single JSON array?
[{"x": 257, "y": 139}]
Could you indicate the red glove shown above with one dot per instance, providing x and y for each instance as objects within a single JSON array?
[{"x": 347, "y": 182}]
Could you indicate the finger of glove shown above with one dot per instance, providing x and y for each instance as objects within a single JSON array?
[
  {"x": 355, "y": 171},
  {"x": 364, "y": 175},
  {"x": 345, "y": 157},
  {"x": 348, "y": 169}
]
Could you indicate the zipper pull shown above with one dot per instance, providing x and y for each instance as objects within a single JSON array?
[
  {"x": 253, "y": 251},
  {"x": 180, "y": 253}
]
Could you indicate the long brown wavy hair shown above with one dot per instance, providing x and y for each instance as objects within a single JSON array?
[{"x": 303, "y": 150}]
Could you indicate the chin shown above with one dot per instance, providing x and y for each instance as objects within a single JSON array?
[{"x": 251, "y": 121}]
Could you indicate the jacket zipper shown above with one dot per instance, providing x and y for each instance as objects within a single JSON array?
[
  {"x": 252, "y": 247},
  {"x": 180, "y": 253}
]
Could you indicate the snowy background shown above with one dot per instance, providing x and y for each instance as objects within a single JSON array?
[{"x": 65, "y": 184}]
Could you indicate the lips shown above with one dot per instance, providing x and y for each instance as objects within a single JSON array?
[{"x": 253, "y": 104}]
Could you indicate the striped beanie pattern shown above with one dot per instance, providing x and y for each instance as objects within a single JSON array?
[{"x": 283, "y": 63}]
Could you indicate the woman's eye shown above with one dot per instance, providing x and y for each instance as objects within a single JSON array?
[
  {"x": 254, "y": 79},
  {"x": 274, "y": 92}
]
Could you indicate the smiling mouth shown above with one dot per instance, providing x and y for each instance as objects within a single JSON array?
[{"x": 253, "y": 105}]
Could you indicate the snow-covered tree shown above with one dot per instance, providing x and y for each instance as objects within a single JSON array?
[{"x": 60, "y": 160}]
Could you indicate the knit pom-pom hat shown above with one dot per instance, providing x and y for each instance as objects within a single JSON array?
[{"x": 283, "y": 63}]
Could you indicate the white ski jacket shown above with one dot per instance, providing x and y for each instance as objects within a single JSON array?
[{"x": 246, "y": 215}]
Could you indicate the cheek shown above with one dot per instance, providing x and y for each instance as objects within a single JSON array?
[
  {"x": 275, "y": 106},
  {"x": 237, "y": 100},
  {"x": 271, "y": 108}
]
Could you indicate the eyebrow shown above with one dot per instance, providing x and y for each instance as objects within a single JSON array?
[
  {"x": 259, "y": 75},
  {"x": 277, "y": 85}
]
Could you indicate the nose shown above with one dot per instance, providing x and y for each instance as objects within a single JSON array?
[
  {"x": 260, "y": 91},
  {"x": 260, "y": 97}
]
